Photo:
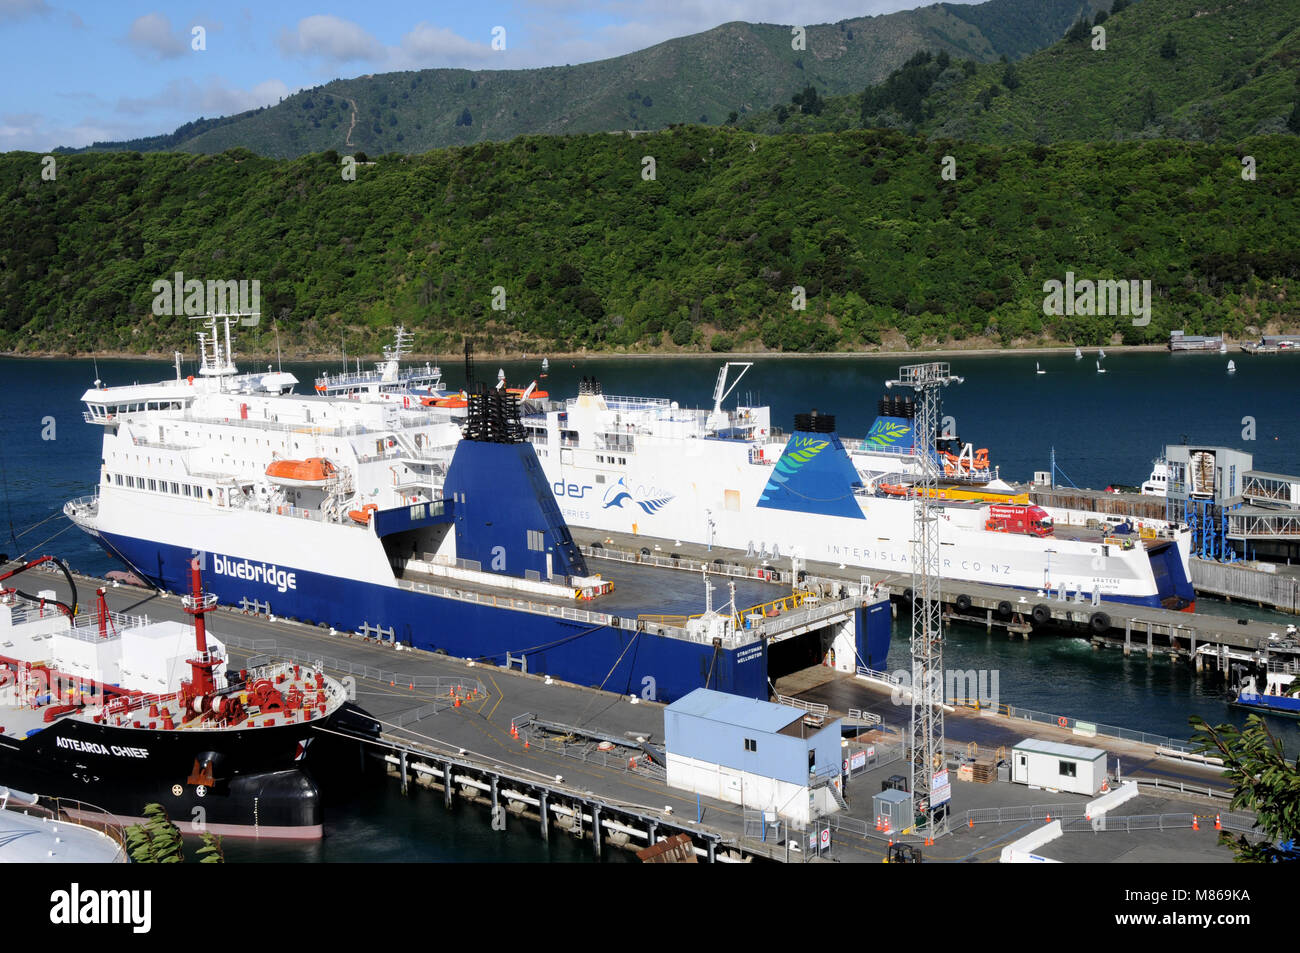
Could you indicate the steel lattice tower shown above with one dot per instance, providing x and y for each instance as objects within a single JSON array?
[{"x": 927, "y": 736}]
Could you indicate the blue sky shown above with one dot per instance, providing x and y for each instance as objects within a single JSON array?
[{"x": 77, "y": 72}]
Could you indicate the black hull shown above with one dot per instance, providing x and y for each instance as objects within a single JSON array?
[{"x": 259, "y": 785}]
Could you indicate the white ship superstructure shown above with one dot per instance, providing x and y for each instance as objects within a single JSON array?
[
  {"x": 728, "y": 478},
  {"x": 248, "y": 467}
]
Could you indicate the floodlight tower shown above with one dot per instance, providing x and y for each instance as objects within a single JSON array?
[{"x": 927, "y": 381}]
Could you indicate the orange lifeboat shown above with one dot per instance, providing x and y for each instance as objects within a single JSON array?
[
  {"x": 893, "y": 490},
  {"x": 521, "y": 391},
  {"x": 314, "y": 471},
  {"x": 456, "y": 401},
  {"x": 362, "y": 515}
]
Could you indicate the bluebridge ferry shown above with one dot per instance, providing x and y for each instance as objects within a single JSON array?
[{"x": 434, "y": 526}]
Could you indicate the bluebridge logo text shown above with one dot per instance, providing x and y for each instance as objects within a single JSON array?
[{"x": 255, "y": 572}]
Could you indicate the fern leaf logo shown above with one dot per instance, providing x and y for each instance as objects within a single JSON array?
[{"x": 887, "y": 433}]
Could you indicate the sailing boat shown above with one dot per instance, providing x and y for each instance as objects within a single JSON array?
[
  {"x": 1100, "y": 369},
  {"x": 1232, "y": 367},
  {"x": 546, "y": 366},
  {"x": 1038, "y": 368},
  {"x": 1078, "y": 354},
  {"x": 1101, "y": 353}
]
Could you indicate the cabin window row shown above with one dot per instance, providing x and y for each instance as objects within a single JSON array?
[{"x": 155, "y": 486}]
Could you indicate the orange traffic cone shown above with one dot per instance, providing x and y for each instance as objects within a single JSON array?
[
  {"x": 1195, "y": 823},
  {"x": 456, "y": 704},
  {"x": 1218, "y": 826},
  {"x": 970, "y": 822},
  {"x": 1049, "y": 819}
]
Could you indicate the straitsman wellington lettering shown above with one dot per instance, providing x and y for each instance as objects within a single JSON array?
[{"x": 255, "y": 572}]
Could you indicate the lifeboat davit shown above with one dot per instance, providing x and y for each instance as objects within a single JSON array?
[
  {"x": 362, "y": 515},
  {"x": 314, "y": 471}
]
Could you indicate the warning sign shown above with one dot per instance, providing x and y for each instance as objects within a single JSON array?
[{"x": 940, "y": 788}]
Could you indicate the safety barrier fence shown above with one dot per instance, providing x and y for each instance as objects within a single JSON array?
[
  {"x": 626, "y": 760},
  {"x": 1077, "y": 725},
  {"x": 1024, "y": 812},
  {"x": 1128, "y": 823}
]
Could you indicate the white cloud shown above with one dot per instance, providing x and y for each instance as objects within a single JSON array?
[
  {"x": 152, "y": 36},
  {"x": 336, "y": 41},
  {"x": 213, "y": 97},
  {"x": 34, "y": 133},
  {"x": 428, "y": 46},
  {"x": 330, "y": 38},
  {"x": 13, "y": 10},
  {"x": 561, "y": 31}
]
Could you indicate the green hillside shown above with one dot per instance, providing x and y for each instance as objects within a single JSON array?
[
  {"x": 736, "y": 67},
  {"x": 1189, "y": 69},
  {"x": 705, "y": 255}
]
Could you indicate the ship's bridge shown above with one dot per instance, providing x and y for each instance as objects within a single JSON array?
[{"x": 104, "y": 405}]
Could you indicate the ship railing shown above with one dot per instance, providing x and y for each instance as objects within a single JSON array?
[
  {"x": 1285, "y": 667},
  {"x": 806, "y": 616},
  {"x": 863, "y": 446},
  {"x": 583, "y": 616},
  {"x": 875, "y": 676},
  {"x": 614, "y": 402},
  {"x": 306, "y": 427},
  {"x": 82, "y": 505},
  {"x": 721, "y": 568},
  {"x": 70, "y": 811},
  {"x": 85, "y": 627}
]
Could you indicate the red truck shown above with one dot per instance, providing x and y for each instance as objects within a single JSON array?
[{"x": 1028, "y": 520}]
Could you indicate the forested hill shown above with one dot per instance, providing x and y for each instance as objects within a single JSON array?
[
  {"x": 588, "y": 251},
  {"x": 693, "y": 79},
  {"x": 1189, "y": 69}
]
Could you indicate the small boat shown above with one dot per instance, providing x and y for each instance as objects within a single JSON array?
[
  {"x": 1078, "y": 354},
  {"x": 1232, "y": 367},
  {"x": 1273, "y": 698},
  {"x": 1101, "y": 353},
  {"x": 546, "y": 366},
  {"x": 314, "y": 471},
  {"x": 1038, "y": 368},
  {"x": 1100, "y": 369}
]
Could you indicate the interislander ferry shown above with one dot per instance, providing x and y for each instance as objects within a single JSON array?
[{"x": 732, "y": 478}]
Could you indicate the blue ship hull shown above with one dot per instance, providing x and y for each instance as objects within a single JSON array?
[
  {"x": 1286, "y": 705},
  {"x": 654, "y": 667}
]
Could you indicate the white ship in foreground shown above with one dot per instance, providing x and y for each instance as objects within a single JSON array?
[{"x": 367, "y": 509}]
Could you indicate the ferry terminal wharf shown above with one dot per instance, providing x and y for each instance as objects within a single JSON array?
[
  {"x": 1205, "y": 639},
  {"x": 428, "y": 734}
]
